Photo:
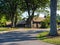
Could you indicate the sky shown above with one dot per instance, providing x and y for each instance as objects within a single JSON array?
[
  {"x": 26, "y": 14},
  {"x": 58, "y": 12},
  {"x": 40, "y": 15}
]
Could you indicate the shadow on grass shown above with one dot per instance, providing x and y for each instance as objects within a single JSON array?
[
  {"x": 43, "y": 35},
  {"x": 18, "y": 36}
]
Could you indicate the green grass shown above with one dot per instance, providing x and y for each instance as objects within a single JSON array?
[
  {"x": 49, "y": 39},
  {"x": 7, "y": 29}
]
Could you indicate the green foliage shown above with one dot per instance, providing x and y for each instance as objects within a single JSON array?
[
  {"x": 32, "y": 4},
  {"x": 46, "y": 22},
  {"x": 58, "y": 18},
  {"x": 47, "y": 19},
  {"x": 3, "y": 21},
  {"x": 9, "y": 7},
  {"x": 43, "y": 24}
]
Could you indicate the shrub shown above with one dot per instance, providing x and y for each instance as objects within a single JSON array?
[
  {"x": 44, "y": 24},
  {"x": 3, "y": 21}
]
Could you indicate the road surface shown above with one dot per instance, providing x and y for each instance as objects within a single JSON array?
[{"x": 21, "y": 37}]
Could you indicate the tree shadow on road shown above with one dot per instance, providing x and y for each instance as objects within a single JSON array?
[{"x": 18, "y": 36}]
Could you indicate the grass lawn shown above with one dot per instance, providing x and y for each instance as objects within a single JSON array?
[
  {"x": 6, "y": 29},
  {"x": 49, "y": 39}
]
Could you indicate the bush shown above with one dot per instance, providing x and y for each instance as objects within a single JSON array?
[
  {"x": 46, "y": 22},
  {"x": 44, "y": 25},
  {"x": 3, "y": 21}
]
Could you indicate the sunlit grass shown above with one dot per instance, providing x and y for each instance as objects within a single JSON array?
[
  {"x": 49, "y": 39},
  {"x": 6, "y": 29}
]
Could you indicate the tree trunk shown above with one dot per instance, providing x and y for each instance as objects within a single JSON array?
[
  {"x": 15, "y": 20},
  {"x": 29, "y": 20},
  {"x": 12, "y": 21},
  {"x": 13, "y": 16},
  {"x": 30, "y": 17},
  {"x": 53, "y": 27}
]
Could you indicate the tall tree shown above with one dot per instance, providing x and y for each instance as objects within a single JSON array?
[
  {"x": 12, "y": 8},
  {"x": 53, "y": 30},
  {"x": 31, "y": 6}
]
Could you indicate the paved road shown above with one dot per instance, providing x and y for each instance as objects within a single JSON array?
[{"x": 21, "y": 37}]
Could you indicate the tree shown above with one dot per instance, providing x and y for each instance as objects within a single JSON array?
[
  {"x": 53, "y": 27},
  {"x": 13, "y": 8},
  {"x": 10, "y": 8},
  {"x": 3, "y": 13},
  {"x": 31, "y": 6}
]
